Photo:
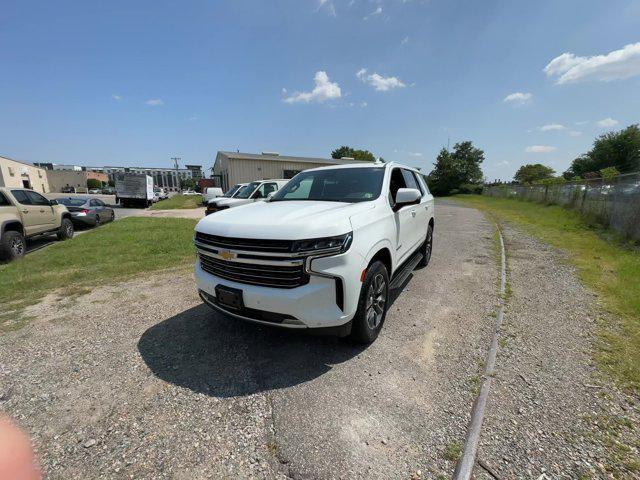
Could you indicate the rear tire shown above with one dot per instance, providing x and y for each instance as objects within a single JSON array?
[
  {"x": 372, "y": 305},
  {"x": 12, "y": 246},
  {"x": 97, "y": 221},
  {"x": 426, "y": 249},
  {"x": 66, "y": 229}
]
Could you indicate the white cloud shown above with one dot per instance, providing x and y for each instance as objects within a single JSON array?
[
  {"x": 405, "y": 40},
  {"x": 154, "y": 102},
  {"x": 574, "y": 133},
  {"x": 607, "y": 122},
  {"x": 518, "y": 98},
  {"x": 378, "y": 82},
  {"x": 377, "y": 11},
  {"x": 415, "y": 154},
  {"x": 323, "y": 91},
  {"x": 584, "y": 122},
  {"x": 117, "y": 98},
  {"x": 540, "y": 149},
  {"x": 552, "y": 126},
  {"x": 364, "y": 104},
  {"x": 328, "y": 6},
  {"x": 615, "y": 65}
]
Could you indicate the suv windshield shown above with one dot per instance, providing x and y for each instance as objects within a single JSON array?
[
  {"x": 247, "y": 190},
  {"x": 349, "y": 185}
]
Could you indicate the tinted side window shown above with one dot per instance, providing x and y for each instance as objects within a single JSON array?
[
  {"x": 397, "y": 182},
  {"x": 37, "y": 199},
  {"x": 21, "y": 197},
  {"x": 3, "y": 201},
  {"x": 421, "y": 183},
  {"x": 409, "y": 179},
  {"x": 94, "y": 203}
]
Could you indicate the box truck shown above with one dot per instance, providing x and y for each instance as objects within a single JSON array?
[{"x": 134, "y": 189}]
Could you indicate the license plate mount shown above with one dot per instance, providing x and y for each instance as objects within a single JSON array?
[{"x": 229, "y": 297}]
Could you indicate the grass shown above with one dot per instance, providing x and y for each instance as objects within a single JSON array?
[
  {"x": 607, "y": 266},
  {"x": 453, "y": 451},
  {"x": 112, "y": 253},
  {"x": 178, "y": 201}
]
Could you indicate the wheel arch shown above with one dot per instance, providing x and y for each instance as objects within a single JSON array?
[
  {"x": 12, "y": 226},
  {"x": 383, "y": 255}
]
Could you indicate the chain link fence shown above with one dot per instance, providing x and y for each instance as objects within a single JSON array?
[{"x": 614, "y": 203}]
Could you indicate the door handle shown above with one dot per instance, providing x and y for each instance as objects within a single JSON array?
[
  {"x": 41, "y": 211},
  {"x": 25, "y": 211},
  {"x": 413, "y": 213}
]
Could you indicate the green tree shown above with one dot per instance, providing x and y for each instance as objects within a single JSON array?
[
  {"x": 532, "y": 173},
  {"x": 94, "y": 183},
  {"x": 188, "y": 184},
  {"x": 345, "y": 151},
  {"x": 455, "y": 168},
  {"x": 613, "y": 149}
]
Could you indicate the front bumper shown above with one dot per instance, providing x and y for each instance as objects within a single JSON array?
[{"x": 314, "y": 305}]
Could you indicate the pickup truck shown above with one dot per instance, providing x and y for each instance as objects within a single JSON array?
[
  {"x": 323, "y": 252},
  {"x": 27, "y": 214},
  {"x": 251, "y": 192}
]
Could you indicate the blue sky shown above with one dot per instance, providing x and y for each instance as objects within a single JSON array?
[{"x": 135, "y": 83}]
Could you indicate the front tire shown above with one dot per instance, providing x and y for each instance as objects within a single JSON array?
[
  {"x": 372, "y": 305},
  {"x": 66, "y": 229},
  {"x": 12, "y": 246},
  {"x": 426, "y": 249}
]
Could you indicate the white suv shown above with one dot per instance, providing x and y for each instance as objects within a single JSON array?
[
  {"x": 323, "y": 252},
  {"x": 249, "y": 193}
]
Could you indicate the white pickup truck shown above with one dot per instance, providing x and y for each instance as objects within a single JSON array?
[
  {"x": 249, "y": 193},
  {"x": 322, "y": 253}
]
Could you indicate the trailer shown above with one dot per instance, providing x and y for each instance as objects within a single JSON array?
[{"x": 134, "y": 189}]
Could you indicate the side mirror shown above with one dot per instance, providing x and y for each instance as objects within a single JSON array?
[
  {"x": 257, "y": 195},
  {"x": 407, "y": 196},
  {"x": 271, "y": 194},
  {"x": 53, "y": 202}
]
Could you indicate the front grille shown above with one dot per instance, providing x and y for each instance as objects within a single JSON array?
[
  {"x": 276, "y": 276},
  {"x": 249, "y": 244}
]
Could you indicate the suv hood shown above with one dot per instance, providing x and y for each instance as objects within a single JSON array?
[{"x": 288, "y": 220}]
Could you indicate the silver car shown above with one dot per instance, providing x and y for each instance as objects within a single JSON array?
[{"x": 87, "y": 211}]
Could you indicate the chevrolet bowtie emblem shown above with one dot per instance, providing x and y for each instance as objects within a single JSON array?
[{"x": 226, "y": 254}]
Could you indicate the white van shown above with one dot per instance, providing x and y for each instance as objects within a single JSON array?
[{"x": 211, "y": 193}]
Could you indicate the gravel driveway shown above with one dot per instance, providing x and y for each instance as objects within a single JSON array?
[{"x": 140, "y": 380}]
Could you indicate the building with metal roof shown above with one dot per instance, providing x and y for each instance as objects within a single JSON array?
[{"x": 231, "y": 168}]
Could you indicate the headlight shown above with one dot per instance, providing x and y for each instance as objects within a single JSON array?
[{"x": 338, "y": 244}]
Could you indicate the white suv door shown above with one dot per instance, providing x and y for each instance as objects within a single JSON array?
[
  {"x": 419, "y": 214},
  {"x": 404, "y": 217}
]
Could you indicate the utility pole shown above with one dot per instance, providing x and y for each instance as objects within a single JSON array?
[{"x": 175, "y": 162}]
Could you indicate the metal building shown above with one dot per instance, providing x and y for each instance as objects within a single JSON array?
[{"x": 231, "y": 168}]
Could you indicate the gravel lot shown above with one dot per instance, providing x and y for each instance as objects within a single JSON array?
[
  {"x": 549, "y": 409},
  {"x": 140, "y": 380}
]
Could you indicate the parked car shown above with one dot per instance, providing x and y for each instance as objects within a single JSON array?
[
  {"x": 322, "y": 253},
  {"x": 88, "y": 211},
  {"x": 94, "y": 191},
  {"x": 160, "y": 193},
  {"x": 189, "y": 192},
  {"x": 251, "y": 192},
  {"x": 109, "y": 191},
  {"x": 26, "y": 214},
  {"x": 210, "y": 193},
  {"x": 212, "y": 205},
  {"x": 68, "y": 189}
]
